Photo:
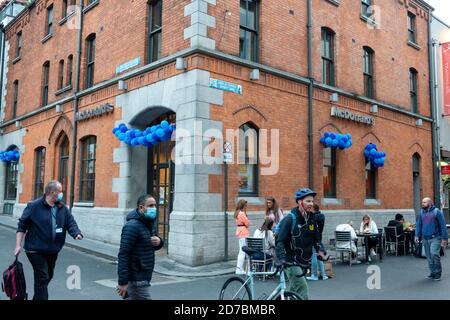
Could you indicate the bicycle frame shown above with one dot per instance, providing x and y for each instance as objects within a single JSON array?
[{"x": 279, "y": 289}]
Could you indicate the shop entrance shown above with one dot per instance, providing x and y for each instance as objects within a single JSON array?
[{"x": 161, "y": 178}]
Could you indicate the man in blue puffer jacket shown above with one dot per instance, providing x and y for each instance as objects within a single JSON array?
[
  {"x": 137, "y": 251},
  {"x": 431, "y": 228}
]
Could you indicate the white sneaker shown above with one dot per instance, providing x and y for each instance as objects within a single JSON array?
[
  {"x": 373, "y": 253},
  {"x": 324, "y": 277},
  {"x": 369, "y": 259},
  {"x": 356, "y": 262},
  {"x": 313, "y": 278}
]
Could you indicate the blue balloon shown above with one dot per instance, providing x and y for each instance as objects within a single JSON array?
[
  {"x": 327, "y": 134},
  {"x": 345, "y": 138},
  {"x": 328, "y": 141},
  {"x": 372, "y": 152},
  {"x": 366, "y": 153},
  {"x": 167, "y": 129},
  {"x": 164, "y": 124},
  {"x": 332, "y": 136},
  {"x": 350, "y": 143},
  {"x": 322, "y": 140},
  {"x": 141, "y": 140},
  {"x": 115, "y": 130},
  {"x": 133, "y": 141},
  {"x": 160, "y": 132},
  {"x": 335, "y": 143},
  {"x": 338, "y": 136},
  {"x": 147, "y": 131},
  {"x": 148, "y": 137},
  {"x": 153, "y": 129},
  {"x": 341, "y": 144},
  {"x": 123, "y": 128}
]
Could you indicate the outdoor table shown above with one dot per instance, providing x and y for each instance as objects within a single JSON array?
[
  {"x": 411, "y": 235},
  {"x": 366, "y": 237}
]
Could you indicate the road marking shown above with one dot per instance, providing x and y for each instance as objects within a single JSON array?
[{"x": 112, "y": 283}]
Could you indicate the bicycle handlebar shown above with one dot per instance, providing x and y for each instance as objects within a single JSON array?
[{"x": 282, "y": 266}]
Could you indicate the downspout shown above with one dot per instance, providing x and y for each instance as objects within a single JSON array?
[
  {"x": 434, "y": 133},
  {"x": 75, "y": 110},
  {"x": 310, "y": 98},
  {"x": 2, "y": 28},
  {"x": 438, "y": 115}
]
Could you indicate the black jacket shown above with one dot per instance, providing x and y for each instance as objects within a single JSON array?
[
  {"x": 398, "y": 225},
  {"x": 320, "y": 220},
  {"x": 298, "y": 248},
  {"x": 136, "y": 253},
  {"x": 36, "y": 222}
]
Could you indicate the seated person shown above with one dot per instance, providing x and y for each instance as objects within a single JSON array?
[
  {"x": 265, "y": 232},
  {"x": 398, "y": 223},
  {"x": 369, "y": 226},
  {"x": 345, "y": 245}
]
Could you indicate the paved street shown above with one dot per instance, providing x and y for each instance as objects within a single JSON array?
[{"x": 401, "y": 278}]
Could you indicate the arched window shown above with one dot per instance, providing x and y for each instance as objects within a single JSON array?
[
  {"x": 64, "y": 165},
  {"x": 248, "y": 160},
  {"x": 45, "y": 82},
  {"x": 69, "y": 70},
  {"x": 39, "y": 172},
  {"x": 87, "y": 168},
  {"x": 61, "y": 75}
]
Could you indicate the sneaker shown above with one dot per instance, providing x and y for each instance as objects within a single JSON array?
[
  {"x": 430, "y": 276},
  {"x": 356, "y": 262},
  {"x": 324, "y": 277},
  {"x": 369, "y": 259},
  {"x": 313, "y": 278},
  {"x": 373, "y": 253},
  {"x": 437, "y": 278}
]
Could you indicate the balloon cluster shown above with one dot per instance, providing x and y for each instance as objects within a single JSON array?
[
  {"x": 336, "y": 140},
  {"x": 376, "y": 158},
  {"x": 149, "y": 137},
  {"x": 10, "y": 155}
]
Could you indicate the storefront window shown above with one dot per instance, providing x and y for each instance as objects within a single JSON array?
[
  {"x": 11, "y": 181},
  {"x": 87, "y": 181},
  {"x": 248, "y": 160},
  {"x": 329, "y": 173}
]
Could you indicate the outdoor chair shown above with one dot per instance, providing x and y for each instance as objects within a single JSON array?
[
  {"x": 392, "y": 238},
  {"x": 344, "y": 239},
  {"x": 257, "y": 245}
]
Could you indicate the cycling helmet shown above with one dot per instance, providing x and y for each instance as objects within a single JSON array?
[{"x": 301, "y": 193}]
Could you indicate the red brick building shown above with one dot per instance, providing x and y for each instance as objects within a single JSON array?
[{"x": 141, "y": 62}]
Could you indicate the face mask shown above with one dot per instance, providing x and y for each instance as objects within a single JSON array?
[
  {"x": 150, "y": 213},
  {"x": 60, "y": 196}
]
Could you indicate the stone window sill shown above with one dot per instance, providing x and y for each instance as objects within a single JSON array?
[
  {"x": 252, "y": 200},
  {"x": 335, "y": 2},
  {"x": 83, "y": 204},
  {"x": 65, "y": 89},
  {"x": 67, "y": 17},
  {"x": 372, "y": 202},
  {"x": 364, "y": 18},
  {"x": 47, "y": 37},
  {"x": 332, "y": 201},
  {"x": 16, "y": 60},
  {"x": 414, "y": 45},
  {"x": 92, "y": 5}
]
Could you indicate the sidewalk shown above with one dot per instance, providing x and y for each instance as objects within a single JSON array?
[{"x": 163, "y": 264}]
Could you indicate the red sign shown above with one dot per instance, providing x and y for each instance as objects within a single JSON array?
[
  {"x": 446, "y": 75},
  {"x": 445, "y": 169}
]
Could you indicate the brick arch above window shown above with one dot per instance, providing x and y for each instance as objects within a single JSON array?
[
  {"x": 63, "y": 124},
  {"x": 372, "y": 137},
  {"x": 329, "y": 127},
  {"x": 416, "y": 148},
  {"x": 248, "y": 111}
]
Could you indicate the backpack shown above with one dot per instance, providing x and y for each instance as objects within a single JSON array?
[
  {"x": 13, "y": 284},
  {"x": 277, "y": 228}
]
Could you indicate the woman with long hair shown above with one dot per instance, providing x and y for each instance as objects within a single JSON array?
[
  {"x": 369, "y": 226},
  {"x": 273, "y": 211},
  {"x": 242, "y": 232}
]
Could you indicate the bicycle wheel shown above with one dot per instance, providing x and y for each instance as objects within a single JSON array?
[
  {"x": 235, "y": 289},
  {"x": 288, "y": 295}
]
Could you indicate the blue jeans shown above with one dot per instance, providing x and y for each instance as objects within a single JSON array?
[
  {"x": 432, "y": 248},
  {"x": 314, "y": 263},
  {"x": 139, "y": 290}
]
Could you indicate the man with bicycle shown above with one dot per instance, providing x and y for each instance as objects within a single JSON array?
[{"x": 297, "y": 236}]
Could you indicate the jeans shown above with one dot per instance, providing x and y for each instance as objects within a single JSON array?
[
  {"x": 43, "y": 267},
  {"x": 138, "y": 290},
  {"x": 296, "y": 284},
  {"x": 314, "y": 263},
  {"x": 432, "y": 248},
  {"x": 240, "y": 266}
]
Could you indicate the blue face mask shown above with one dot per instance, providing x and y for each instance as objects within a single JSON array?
[
  {"x": 60, "y": 196},
  {"x": 150, "y": 213}
]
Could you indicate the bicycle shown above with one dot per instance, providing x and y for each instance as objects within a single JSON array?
[{"x": 246, "y": 291}]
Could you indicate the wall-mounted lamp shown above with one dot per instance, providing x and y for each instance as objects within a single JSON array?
[
  {"x": 181, "y": 64},
  {"x": 1, "y": 132},
  {"x": 59, "y": 108},
  {"x": 334, "y": 97},
  {"x": 254, "y": 74},
  {"x": 419, "y": 122},
  {"x": 18, "y": 124},
  {"x": 374, "y": 108},
  {"x": 123, "y": 86}
]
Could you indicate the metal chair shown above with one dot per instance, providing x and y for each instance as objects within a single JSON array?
[
  {"x": 344, "y": 238},
  {"x": 392, "y": 238},
  {"x": 258, "y": 245}
]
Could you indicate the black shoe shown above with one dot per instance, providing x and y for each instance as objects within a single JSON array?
[
  {"x": 437, "y": 278},
  {"x": 430, "y": 276}
]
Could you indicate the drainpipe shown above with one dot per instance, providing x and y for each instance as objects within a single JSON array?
[
  {"x": 3, "y": 34},
  {"x": 310, "y": 98},
  {"x": 75, "y": 110},
  {"x": 434, "y": 133}
]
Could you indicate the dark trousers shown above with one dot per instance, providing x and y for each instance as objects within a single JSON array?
[{"x": 43, "y": 266}]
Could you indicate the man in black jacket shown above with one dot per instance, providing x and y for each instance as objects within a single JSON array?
[
  {"x": 398, "y": 223},
  {"x": 44, "y": 224},
  {"x": 137, "y": 251},
  {"x": 296, "y": 239}
]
